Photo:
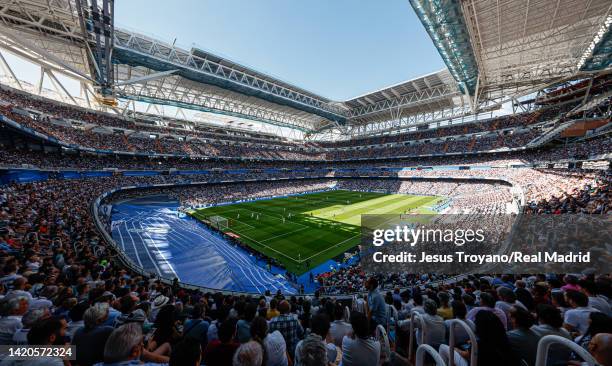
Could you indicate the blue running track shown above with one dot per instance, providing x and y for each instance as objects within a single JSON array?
[{"x": 150, "y": 231}]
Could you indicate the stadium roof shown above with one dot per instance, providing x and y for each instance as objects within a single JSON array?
[
  {"x": 494, "y": 51},
  {"x": 520, "y": 45},
  {"x": 167, "y": 74},
  {"x": 432, "y": 92}
]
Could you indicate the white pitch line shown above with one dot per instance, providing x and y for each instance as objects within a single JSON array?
[
  {"x": 263, "y": 245},
  {"x": 289, "y": 233},
  {"x": 276, "y": 217},
  {"x": 333, "y": 246}
]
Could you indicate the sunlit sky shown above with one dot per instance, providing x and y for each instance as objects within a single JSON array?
[{"x": 338, "y": 49}]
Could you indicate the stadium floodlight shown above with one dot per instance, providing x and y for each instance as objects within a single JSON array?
[{"x": 219, "y": 222}]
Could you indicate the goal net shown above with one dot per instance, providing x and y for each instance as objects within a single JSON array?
[{"x": 219, "y": 222}]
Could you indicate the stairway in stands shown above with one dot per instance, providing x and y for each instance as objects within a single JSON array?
[
  {"x": 158, "y": 146},
  {"x": 127, "y": 143},
  {"x": 445, "y": 148},
  {"x": 471, "y": 144}
]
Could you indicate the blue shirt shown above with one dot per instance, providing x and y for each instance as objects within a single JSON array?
[
  {"x": 197, "y": 329},
  {"x": 378, "y": 308}
]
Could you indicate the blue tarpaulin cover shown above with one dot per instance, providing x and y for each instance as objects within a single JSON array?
[{"x": 156, "y": 237}]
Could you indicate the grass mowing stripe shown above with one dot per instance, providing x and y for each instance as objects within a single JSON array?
[
  {"x": 374, "y": 204},
  {"x": 311, "y": 234}
]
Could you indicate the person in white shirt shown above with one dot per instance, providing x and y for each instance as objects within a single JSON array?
[
  {"x": 359, "y": 348},
  {"x": 11, "y": 323},
  {"x": 18, "y": 290},
  {"x": 507, "y": 301},
  {"x": 28, "y": 320},
  {"x": 273, "y": 343},
  {"x": 600, "y": 303},
  {"x": 487, "y": 303},
  {"x": 359, "y": 304},
  {"x": 11, "y": 275},
  {"x": 433, "y": 324},
  {"x": 45, "y": 332},
  {"x": 576, "y": 320},
  {"x": 339, "y": 328}
]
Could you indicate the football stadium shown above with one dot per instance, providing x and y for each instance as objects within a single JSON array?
[{"x": 167, "y": 204}]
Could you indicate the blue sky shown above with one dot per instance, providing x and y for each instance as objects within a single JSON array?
[{"x": 336, "y": 48}]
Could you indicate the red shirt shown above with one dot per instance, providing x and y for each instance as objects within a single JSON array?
[{"x": 219, "y": 354}]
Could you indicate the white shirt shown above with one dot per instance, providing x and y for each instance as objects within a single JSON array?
[
  {"x": 360, "y": 352},
  {"x": 360, "y": 305},
  {"x": 40, "y": 303},
  {"x": 276, "y": 349},
  {"x": 7, "y": 281},
  {"x": 579, "y": 318},
  {"x": 9, "y": 325},
  {"x": 338, "y": 330},
  {"x": 21, "y": 337},
  {"x": 19, "y": 293},
  {"x": 600, "y": 304}
]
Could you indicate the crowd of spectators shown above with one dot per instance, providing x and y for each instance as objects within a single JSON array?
[
  {"x": 56, "y": 294},
  {"x": 478, "y": 126},
  {"x": 14, "y": 157},
  {"x": 106, "y": 132}
]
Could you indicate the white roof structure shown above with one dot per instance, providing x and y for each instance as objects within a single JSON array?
[
  {"x": 495, "y": 51},
  {"x": 520, "y": 45}
]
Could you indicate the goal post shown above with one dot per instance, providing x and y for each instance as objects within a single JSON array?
[{"x": 219, "y": 222}]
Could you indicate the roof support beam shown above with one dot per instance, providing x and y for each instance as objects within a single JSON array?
[
  {"x": 59, "y": 86},
  {"x": 7, "y": 68},
  {"x": 407, "y": 100},
  {"x": 39, "y": 55},
  {"x": 145, "y": 78}
]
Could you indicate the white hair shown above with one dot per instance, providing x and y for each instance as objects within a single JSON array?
[
  {"x": 12, "y": 304},
  {"x": 32, "y": 316},
  {"x": 248, "y": 354},
  {"x": 121, "y": 342},
  {"x": 94, "y": 314}
]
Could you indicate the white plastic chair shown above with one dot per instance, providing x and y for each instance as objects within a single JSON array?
[
  {"x": 414, "y": 318},
  {"x": 451, "y": 342},
  {"x": 424, "y": 349},
  {"x": 385, "y": 347},
  {"x": 547, "y": 341}
]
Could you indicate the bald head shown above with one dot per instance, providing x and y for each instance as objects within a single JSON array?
[{"x": 601, "y": 348}]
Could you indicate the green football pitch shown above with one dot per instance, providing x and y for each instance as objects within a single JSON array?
[{"x": 304, "y": 231}]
